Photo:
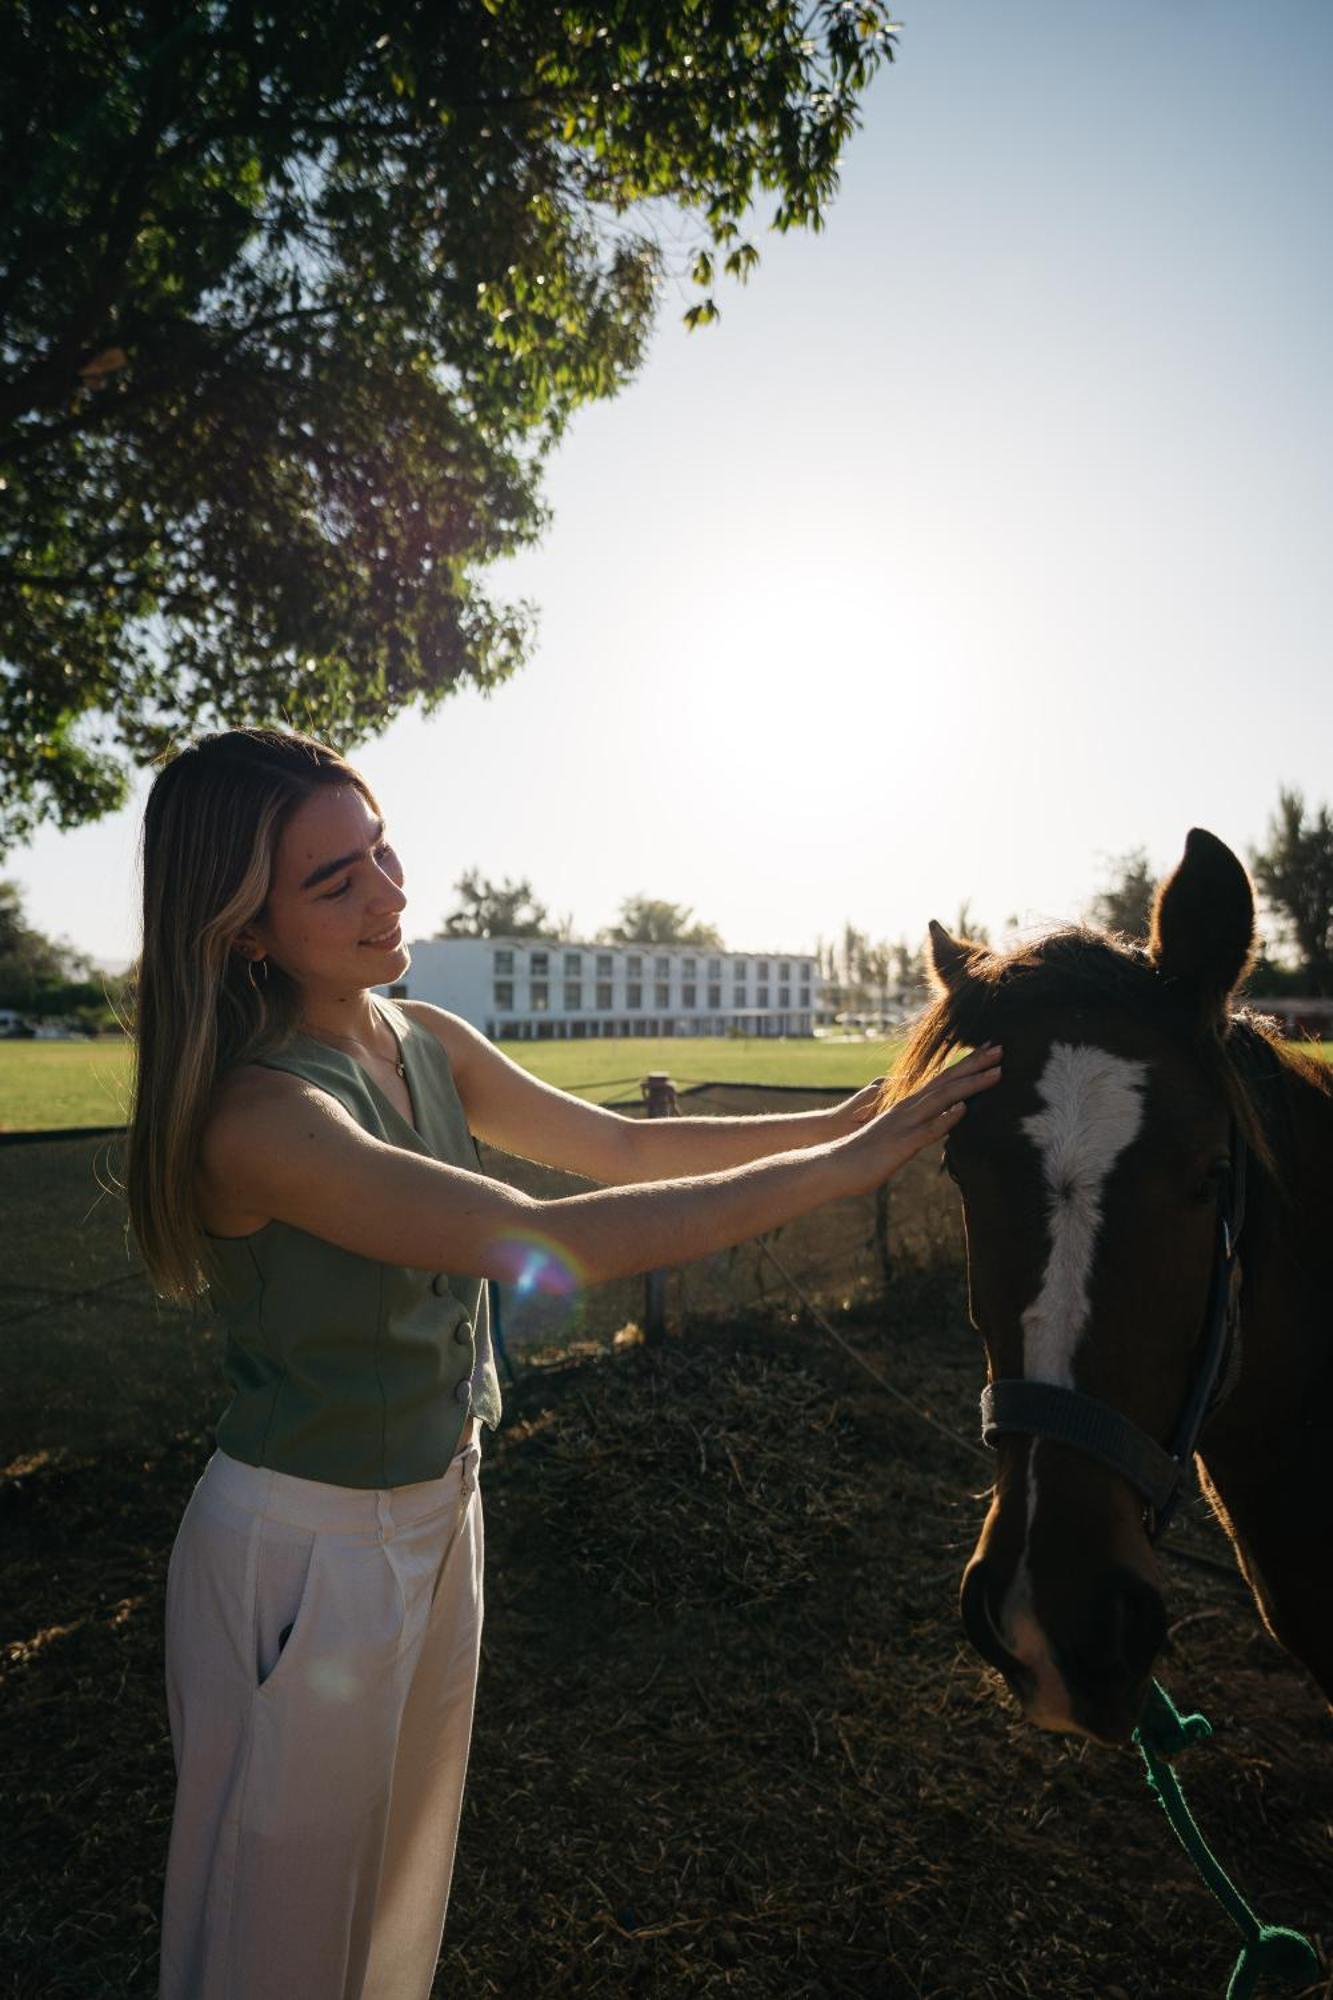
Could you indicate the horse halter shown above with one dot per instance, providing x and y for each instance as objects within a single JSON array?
[{"x": 1042, "y": 1410}]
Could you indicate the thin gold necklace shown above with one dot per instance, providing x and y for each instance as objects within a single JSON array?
[{"x": 397, "y": 1060}]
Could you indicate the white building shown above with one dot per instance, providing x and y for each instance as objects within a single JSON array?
[{"x": 535, "y": 989}]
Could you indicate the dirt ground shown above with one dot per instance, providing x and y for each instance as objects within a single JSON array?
[{"x": 729, "y": 1740}]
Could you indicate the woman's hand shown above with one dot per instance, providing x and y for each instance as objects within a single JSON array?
[
  {"x": 888, "y": 1139},
  {"x": 854, "y": 1112}
]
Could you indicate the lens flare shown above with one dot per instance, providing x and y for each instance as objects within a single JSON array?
[{"x": 533, "y": 1263}]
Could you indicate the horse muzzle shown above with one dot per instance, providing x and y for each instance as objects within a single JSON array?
[{"x": 1079, "y": 1666}]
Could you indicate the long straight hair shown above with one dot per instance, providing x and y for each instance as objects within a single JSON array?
[{"x": 211, "y": 828}]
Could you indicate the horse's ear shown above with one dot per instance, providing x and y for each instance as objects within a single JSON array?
[
  {"x": 950, "y": 957},
  {"x": 1203, "y": 922}
]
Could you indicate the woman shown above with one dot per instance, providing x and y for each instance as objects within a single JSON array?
[{"x": 301, "y": 1156}]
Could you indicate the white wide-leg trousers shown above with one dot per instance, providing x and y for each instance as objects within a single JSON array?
[{"x": 322, "y": 1648}]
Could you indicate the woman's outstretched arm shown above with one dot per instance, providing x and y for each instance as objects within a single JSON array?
[{"x": 281, "y": 1147}]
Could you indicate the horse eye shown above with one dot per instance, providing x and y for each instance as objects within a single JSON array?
[{"x": 1211, "y": 1184}]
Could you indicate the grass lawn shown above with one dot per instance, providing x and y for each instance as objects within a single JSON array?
[{"x": 47, "y": 1086}]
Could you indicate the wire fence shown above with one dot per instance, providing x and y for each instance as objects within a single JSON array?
[
  {"x": 67, "y": 1230},
  {"x": 840, "y": 1255}
]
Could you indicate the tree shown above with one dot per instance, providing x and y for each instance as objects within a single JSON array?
[
  {"x": 911, "y": 981},
  {"x": 643, "y": 921},
  {"x": 511, "y": 910},
  {"x": 33, "y": 968},
  {"x": 1294, "y": 873},
  {"x": 966, "y": 925},
  {"x": 1125, "y": 904},
  {"x": 295, "y": 302}
]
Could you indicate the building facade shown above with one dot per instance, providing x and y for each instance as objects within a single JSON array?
[{"x": 533, "y": 989}]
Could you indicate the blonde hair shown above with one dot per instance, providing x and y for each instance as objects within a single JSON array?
[{"x": 211, "y": 828}]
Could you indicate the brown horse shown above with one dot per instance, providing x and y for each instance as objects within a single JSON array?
[{"x": 1102, "y": 1189}]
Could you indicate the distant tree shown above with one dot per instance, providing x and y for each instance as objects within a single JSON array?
[
  {"x": 967, "y": 926},
  {"x": 485, "y": 910},
  {"x": 32, "y": 966},
  {"x": 296, "y": 300},
  {"x": 1125, "y": 904},
  {"x": 1294, "y": 873},
  {"x": 1270, "y": 979},
  {"x": 645, "y": 921},
  {"x": 911, "y": 982}
]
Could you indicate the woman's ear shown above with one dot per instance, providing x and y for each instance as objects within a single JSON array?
[
  {"x": 1203, "y": 924},
  {"x": 950, "y": 958}
]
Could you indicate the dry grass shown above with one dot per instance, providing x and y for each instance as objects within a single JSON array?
[{"x": 729, "y": 1741}]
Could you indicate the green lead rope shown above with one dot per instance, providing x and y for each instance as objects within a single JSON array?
[{"x": 1270, "y": 1951}]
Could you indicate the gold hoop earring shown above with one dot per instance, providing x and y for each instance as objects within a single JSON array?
[{"x": 256, "y": 984}]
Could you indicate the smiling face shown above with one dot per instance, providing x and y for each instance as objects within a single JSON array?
[
  {"x": 331, "y": 918},
  {"x": 1089, "y": 1180}
]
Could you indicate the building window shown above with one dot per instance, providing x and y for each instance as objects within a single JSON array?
[
  {"x": 540, "y": 1000},
  {"x": 662, "y": 994},
  {"x": 738, "y": 998},
  {"x": 784, "y": 996},
  {"x": 537, "y": 964},
  {"x": 661, "y": 970},
  {"x": 604, "y": 995},
  {"x": 761, "y": 970},
  {"x": 634, "y": 965},
  {"x": 503, "y": 962},
  {"x": 634, "y": 995},
  {"x": 604, "y": 966},
  {"x": 504, "y": 992},
  {"x": 715, "y": 996},
  {"x": 738, "y": 970},
  {"x": 784, "y": 970},
  {"x": 573, "y": 964},
  {"x": 687, "y": 968},
  {"x": 805, "y": 996},
  {"x": 761, "y": 998},
  {"x": 573, "y": 995},
  {"x": 687, "y": 998}
]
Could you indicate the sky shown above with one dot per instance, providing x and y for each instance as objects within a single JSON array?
[{"x": 986, "y": 537}]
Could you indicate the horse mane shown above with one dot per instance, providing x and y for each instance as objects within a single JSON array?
[{"x": 1078, "y": 967}]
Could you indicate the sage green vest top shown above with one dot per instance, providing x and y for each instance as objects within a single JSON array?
[{"x": 342, "y": 1369}]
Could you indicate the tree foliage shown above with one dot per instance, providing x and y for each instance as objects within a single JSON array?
[
  {"x": 644, "y": 920},
  {"x": 1125, "y": 904},
  {"x": 1294, "y": 873},
  {"x": 296, "y": 299},
  {"x": 33, "y": 966},
  {"x": 485, "y": 910}
]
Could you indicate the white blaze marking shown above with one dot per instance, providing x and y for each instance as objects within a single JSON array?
[{"x": 1092, "y": 1108}]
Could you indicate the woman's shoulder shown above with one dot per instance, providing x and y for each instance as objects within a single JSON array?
[
  {"x": 241, "y": 1101},
  {"x": 245, "y": 1086},
  {"x": 239, "y": 1111},
  {"x": 448, "y": 1031}
]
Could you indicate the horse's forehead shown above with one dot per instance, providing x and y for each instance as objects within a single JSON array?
[{"x": 1077, "y": 1072}]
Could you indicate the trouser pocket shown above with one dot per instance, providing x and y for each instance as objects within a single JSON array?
[{"x": 284, "y": 1587}]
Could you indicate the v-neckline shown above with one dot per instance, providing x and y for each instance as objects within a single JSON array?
[{"x": 400, "y": 1043}]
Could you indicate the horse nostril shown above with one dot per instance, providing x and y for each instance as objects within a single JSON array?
[
  {"x": 979, "y": 1619},
  {"x": 1123, "y": 1637},
  {"x": 1140, "y": 1625}
]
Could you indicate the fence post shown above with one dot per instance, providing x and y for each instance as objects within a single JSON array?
[{"x": 660, "y": 1095}]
